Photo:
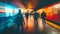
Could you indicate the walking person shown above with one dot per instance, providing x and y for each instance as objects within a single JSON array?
[
  {"x": 27, "y": 15},
  {"x": 43, "y": 16},
  {"x": 19, "y": 21},
  {"x": 36, "y": 16}
]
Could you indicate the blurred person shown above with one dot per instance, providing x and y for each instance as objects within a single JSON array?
[
  {"x": 19, "y": 21},
  {"x": 27, "y": 15},
  {"x": 32, "y": 13},
  {"x": 43, "y": 16},
  {"x": 36, "y": 16}
]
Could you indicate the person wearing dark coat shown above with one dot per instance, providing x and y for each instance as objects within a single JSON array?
[
  {"x": 43, "y": 15},
  {"x": 36, "y": 16},
  {"x": 26, "y": 15},
  {"x": 19, "y": 21}
]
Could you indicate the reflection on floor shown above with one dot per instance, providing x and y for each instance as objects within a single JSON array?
[
  {"x": 43, "y": 28},
  {"x": 29, "y": 28}
]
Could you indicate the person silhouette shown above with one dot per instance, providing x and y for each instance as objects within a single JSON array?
[
  {"x": 43, "y": 16},
  {"x": 36, "y": 16},
  {"x": 27, "y": 15},
  {"x": 19, "y": 21}
]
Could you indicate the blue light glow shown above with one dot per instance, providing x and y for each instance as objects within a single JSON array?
[{"x": 10, "y": 10}]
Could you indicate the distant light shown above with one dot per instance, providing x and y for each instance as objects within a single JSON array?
[
  {"x": 22, "y": 10},
  {"x": 29, "y": 9},
  {"x": 57, "y": 6},
  {"x": 16, "y": 10},
  {"x": 9, "y": 11}
]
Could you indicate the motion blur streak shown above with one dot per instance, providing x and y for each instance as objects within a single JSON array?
[{"x": 18, "y": 3}]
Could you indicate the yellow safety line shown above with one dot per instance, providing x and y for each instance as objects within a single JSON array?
[{"x": 53, "y": 25}]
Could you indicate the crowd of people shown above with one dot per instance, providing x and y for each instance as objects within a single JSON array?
[{"x": 19, "y": 20}]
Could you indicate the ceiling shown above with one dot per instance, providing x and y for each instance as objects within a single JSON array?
[{"x": 30, "y": 4}]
